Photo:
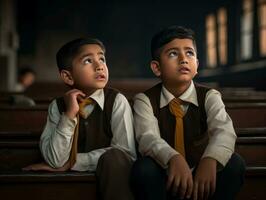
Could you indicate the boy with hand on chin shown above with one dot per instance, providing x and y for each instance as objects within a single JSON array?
[
  {"x": 184, "y": 134},
  {"x": 91, "y": 127}
]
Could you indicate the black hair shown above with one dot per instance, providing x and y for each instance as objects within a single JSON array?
[
  {"x": 25, "y": 70},
  {"x": 66, "y": 54},
  {"x": 167, "y": 35}
]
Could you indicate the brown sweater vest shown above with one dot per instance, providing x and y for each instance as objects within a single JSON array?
[
  {"x": 95, "y": 131},
  {"x": 194, "y": 122}
]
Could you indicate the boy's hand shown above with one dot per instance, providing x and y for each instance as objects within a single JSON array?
[
  {"x": 180, "y": 177},
  {"x": 205, "y": 179},
  {"x": 45, "y": 167},
  {"x": 72, "y": 98}
]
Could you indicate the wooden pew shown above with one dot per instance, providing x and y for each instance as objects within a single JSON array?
[
  {"x": 23, "y": 118},
  {"x": 251, "y": 145},
  {"x": 44, "y": 92},
  {"x": 245, "y": 115},
  {"x": 24, "y": 150},
  {"x": 48, "y": 186},
  {"x": 18, "y": 149}
]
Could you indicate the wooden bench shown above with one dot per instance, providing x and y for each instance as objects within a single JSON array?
[
  {"x": 245, "y": 115},
  {"x": 19, "y": 149},
  {"x": 77, "y": 185},
  {"x": 23, "y": 118},
  {"x": 251, "y": 145},
  {"x": 48, "y": 186}
]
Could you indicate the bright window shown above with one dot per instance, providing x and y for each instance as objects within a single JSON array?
[
  {"x": 262, "y": 26},
  {"x": 211, "y": 41},
  {"x": 222, "y": 35},
  {"x": 246, "y": 29}
]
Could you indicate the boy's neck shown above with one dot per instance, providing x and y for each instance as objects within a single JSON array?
[{"x": 179, "y": 89}]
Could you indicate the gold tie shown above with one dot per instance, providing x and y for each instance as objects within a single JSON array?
[
  {"x": 74, "y": 149},
  {"x": 82, "y": 106},
  {"x": 176, "y": 110}
]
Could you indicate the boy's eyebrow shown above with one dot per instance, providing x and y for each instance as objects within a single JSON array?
[
  {"x": 90, "y": 54},
  {"x": 177, "y": 49}
]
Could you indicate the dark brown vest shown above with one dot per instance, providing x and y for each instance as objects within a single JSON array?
[
  {"x": 194, "y": 122},
  {"x": 95, "y": 131}
]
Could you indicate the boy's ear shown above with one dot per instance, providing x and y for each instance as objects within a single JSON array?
[
  {"x": 197, "y": 66},
  {"x": 155, "y": 67},
  {"x": 66, "y": 77}
]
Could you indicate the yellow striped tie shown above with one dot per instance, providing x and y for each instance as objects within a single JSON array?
[{"x": 176, "y": 110}]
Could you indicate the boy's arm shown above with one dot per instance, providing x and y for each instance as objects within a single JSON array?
[
  {"x": 56, "y": 139},
  {"x": 221, "y": 132},
  {"x": 148, "y": 133},
  {"x": 123, "y": 136},
  {"x": 122, "y": 126}
]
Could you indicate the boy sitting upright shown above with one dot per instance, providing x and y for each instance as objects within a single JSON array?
[{"x": 182, "y": 128}]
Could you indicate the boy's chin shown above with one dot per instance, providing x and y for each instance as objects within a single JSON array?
[{"x": 100, "y": 86}]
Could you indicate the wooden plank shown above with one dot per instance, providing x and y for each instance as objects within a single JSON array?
[
  {"x": 252, "y": 149},
  {"x": 246, "y": 115},
  {"x": 44, "y": 186},
  {"x": 23, "y": 118},
  {"x": 251, "y": 132}
]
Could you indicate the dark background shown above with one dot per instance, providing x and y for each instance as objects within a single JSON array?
[{"x": 125, "y": 27}]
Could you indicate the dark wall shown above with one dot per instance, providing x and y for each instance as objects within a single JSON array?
[{"x": 125, "y": 27}]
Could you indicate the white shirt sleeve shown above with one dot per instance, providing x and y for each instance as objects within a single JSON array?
[
  {"x": 56, "y": 139},
  {"x": 148, "y": 132},
  {"x": 123, "y": 136},
  {"x": 221, "y": 132}
]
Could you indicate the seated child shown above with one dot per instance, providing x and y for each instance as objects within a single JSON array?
[
  {"x": 90, "y": 128},
  {"x": 26, "y": 77},
  {"x": 183, "y": 131}
]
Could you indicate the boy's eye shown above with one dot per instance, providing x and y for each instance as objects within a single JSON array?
[
  {"x": 190, "y": 53},
  {"x": 87, "y": 61},
  {"x": 172, "y": 54},
  {"x": 102, "y": 59}
]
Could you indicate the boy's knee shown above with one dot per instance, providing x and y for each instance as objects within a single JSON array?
[
  {"x": 114, "y": 158},
  {"x": 146, "y": 168},
  {"x": 236, "y": 166}
]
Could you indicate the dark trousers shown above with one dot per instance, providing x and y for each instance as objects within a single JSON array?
[
  {"x": 148, "y": 180},
  {"x": 113, "y": 171}
]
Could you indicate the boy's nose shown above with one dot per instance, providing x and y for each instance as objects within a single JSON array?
[
  {"x": 99, "y": 67},
  {"x": 182, "y": 59}
]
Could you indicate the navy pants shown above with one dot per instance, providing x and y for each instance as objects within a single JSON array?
[{"x": 148, "y": 180}]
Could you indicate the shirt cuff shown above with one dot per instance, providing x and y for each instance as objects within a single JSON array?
[
  {"x": 164, "y": 155},
  {"x": 221, "y": 154},
  {"x": 67, "y": 125},
  {"x": 82, "y": 163}
]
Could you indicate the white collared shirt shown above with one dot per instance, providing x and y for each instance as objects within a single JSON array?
[
  {"x": 56, "y": 139},
  {"x": 221, "y": 133}
]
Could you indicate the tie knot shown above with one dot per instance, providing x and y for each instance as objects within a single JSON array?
[
  {"x": 82, "y": 105},
  {"x": 175, "y": 108}
]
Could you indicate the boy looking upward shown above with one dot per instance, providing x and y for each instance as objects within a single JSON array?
[
  {"x": 183, "y": 131},
  {"x": 90, "y": 128}
]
